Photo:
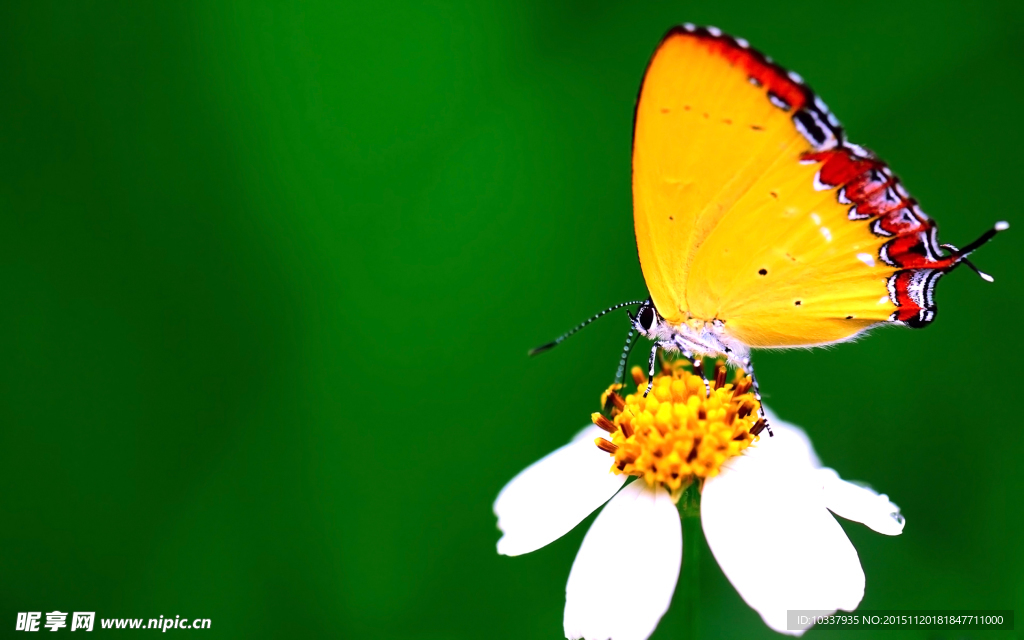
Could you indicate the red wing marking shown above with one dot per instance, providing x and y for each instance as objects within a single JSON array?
[
  {"x": 761, "y": 70},
  {"x": 875, "y": 194}
]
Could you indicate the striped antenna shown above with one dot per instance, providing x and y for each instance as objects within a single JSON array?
[
  {"x": 972, "y": 247},
  {"x": 985, "y": 237},
  {"x": 620, "y": 373},
  {"x": 557, "y": 341}
]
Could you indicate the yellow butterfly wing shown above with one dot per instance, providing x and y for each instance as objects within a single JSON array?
[{"x": 752, "y": 210}]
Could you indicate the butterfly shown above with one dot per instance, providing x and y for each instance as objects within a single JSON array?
[{"x": 758, "y": 225}]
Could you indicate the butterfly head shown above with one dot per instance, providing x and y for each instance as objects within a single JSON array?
[{"x": 647, "y": 321}]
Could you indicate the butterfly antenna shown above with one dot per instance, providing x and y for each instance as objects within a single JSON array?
[
  {"x": 620, "y": 373},
  {"x": 966, "y": 251},
  {"x": 985, "y": 237},
  {"x": 557, "y": 341},
  {"x": 984, "y": 276}
]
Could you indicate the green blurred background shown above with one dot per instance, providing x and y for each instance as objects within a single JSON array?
[{"x": 270, "y": 273}]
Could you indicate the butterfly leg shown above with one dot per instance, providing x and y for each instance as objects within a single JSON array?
[
  {"x": 695, "y": 361},
  {"x": 650, "y": 372},
  {"x": 742, "y": 360},
  {"x": 748, "y": 366}
]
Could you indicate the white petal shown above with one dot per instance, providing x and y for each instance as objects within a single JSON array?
[
  {"x": 796, "y": 446},
  {"x": 766, "y": 524},
  {"x": 859, "y": 504},
  {"x": 551, "y": 496},
  {"x": 623, "y": 577}
]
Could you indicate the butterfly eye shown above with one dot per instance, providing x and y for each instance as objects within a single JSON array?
[{"x": 646, "y": 318}]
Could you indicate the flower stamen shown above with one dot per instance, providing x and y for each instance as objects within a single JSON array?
[
  {"x": 604, "y": 445},
  {"x": 604, "y": 422},
  {"x": 720, "y": 373},
  {"x": 614, "y": 401},
  {"x": 638, "y": 376},
  {"x": 682, "y": 432},
  {"x": 744, "y": 385}
]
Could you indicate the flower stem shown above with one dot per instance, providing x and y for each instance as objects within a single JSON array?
[{"x": 693, "y": 540}]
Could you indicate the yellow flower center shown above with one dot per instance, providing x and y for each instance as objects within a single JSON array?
[{"x": 678, "y": 433}]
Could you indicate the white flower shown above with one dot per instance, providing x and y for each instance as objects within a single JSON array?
[{"x": 766, "y": 517}]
